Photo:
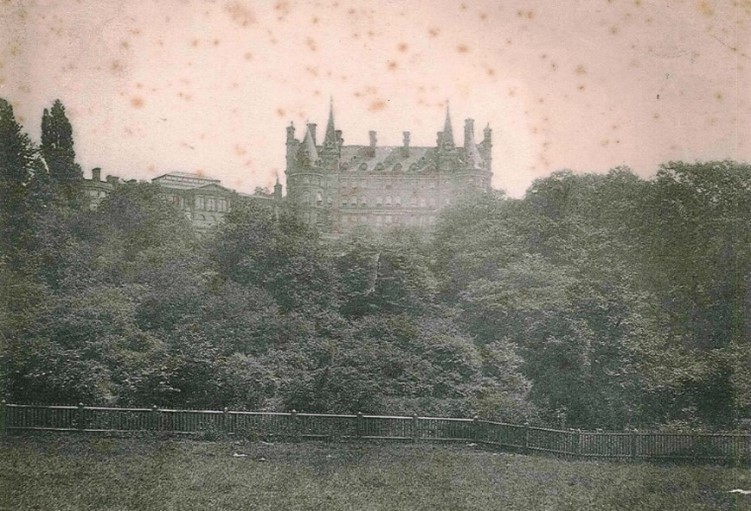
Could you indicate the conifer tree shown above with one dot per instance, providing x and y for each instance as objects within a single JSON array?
[
  {"x": 58, "y": 152},
  {"x": 17, "y": 161}
]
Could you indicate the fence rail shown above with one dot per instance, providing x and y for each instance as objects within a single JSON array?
[{"x": 724, "y": 447}]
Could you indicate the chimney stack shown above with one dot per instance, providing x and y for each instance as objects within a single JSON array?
[
  {"x": 469, "y": 133},
  {"x": 290, "y": 132},
  {"x": 405, "y": 148},
  {"x": 96, "y": 174},
  {"x": 373, "y": 141}
]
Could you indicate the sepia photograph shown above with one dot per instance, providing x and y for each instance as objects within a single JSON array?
[{"x": 358, "y": 255}]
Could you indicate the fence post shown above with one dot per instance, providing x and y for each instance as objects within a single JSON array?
[
  {"x": 415, "y": 428},
  {"x": 359, "y": 425},
  {"x": 155, "y": 417},
  {"x": 476, "y": 434},
  {"x": 3, "y": 417},
  {"x": 526, "y": 438},
  {"x": 295, "y": 426},
  {"x": 579, "y": 441},
  {"x": 225, "y": 421},
  {"x": 81, "y": 424},
  {"x": 633, "y": 444}
]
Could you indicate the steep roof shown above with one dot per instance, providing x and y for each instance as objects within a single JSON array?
[
  {"x": 308, "y": 149},
  {"x": 362, "y": 158}
]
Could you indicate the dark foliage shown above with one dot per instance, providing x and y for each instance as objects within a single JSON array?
[{"x": 596, "y": 301}]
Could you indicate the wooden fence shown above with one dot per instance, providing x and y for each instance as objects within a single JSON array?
[{"x": 724, "y": 447}]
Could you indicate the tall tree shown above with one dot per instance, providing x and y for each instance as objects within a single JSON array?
[
  {"x": 58, "y": 152},
  {"x": 17, "y": 160}
]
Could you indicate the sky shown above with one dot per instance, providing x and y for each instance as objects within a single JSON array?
[{"x": 209, "y": 86}]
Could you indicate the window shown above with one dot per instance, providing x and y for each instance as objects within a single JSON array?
[
  {"x": 398, "y": 201},
  {"x": 363, "y": 202},
  {"x": 423, "y": 203},
  {"x": 199, "y": 202},
  {"x": 388, "y": 201},
  {"x": 319, "y": 199},
  {"x": 222, "y": 205},
  {"x": 210, "y": 204},
  {"x": 379, "y": 202}
]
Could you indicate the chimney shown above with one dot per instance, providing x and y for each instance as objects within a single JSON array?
[
  {"x": 96, "y": 174},
  {"x": 113, "y": 180},
  {"x": 405, "y": 147},
  {"x": 487, "y": 135},
  {"x": 469, "y": 133},
  {"x": 312, "y": 129},
  {"x": 372, "y": 142},
  {"x": 290, "y": 132}
]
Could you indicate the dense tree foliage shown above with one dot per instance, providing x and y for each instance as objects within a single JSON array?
[{"x": 595, "y": 301}]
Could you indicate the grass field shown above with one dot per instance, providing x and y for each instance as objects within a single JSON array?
[{"x": 95, "y": 473}]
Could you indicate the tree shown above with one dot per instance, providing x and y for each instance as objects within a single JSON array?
[
  {"x": 58, "y": 152},
  {"x": 389, "y": 274},
  {"x": 17, "y": 166}
]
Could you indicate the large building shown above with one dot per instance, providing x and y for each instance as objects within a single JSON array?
[{"x": 338, "y": 187}]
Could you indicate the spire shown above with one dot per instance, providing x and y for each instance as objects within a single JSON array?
[
  {"x": 307, "y": 153},
  {"x": 448, "y": 132},
  {"x": 331, "y": 139}
]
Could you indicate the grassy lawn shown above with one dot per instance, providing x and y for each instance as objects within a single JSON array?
[{"x": 96, "y": 473}]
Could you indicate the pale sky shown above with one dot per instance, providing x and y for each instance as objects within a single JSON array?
[{"x": 209, "y": 86}]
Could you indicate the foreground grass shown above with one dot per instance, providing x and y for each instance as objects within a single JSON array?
[{"x": 94, "y": 473}]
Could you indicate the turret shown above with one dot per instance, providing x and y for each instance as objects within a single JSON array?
[{"x": 405, "y": 144}]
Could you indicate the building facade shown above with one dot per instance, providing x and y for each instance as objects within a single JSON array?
[
  {"x": 203, "y": 199},
  {"x": 338, "y": 187}
]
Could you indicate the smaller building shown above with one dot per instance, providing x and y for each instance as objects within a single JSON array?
[
  {"x": 203, "y": 199},
  {"x": 95, "y": 190}
]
